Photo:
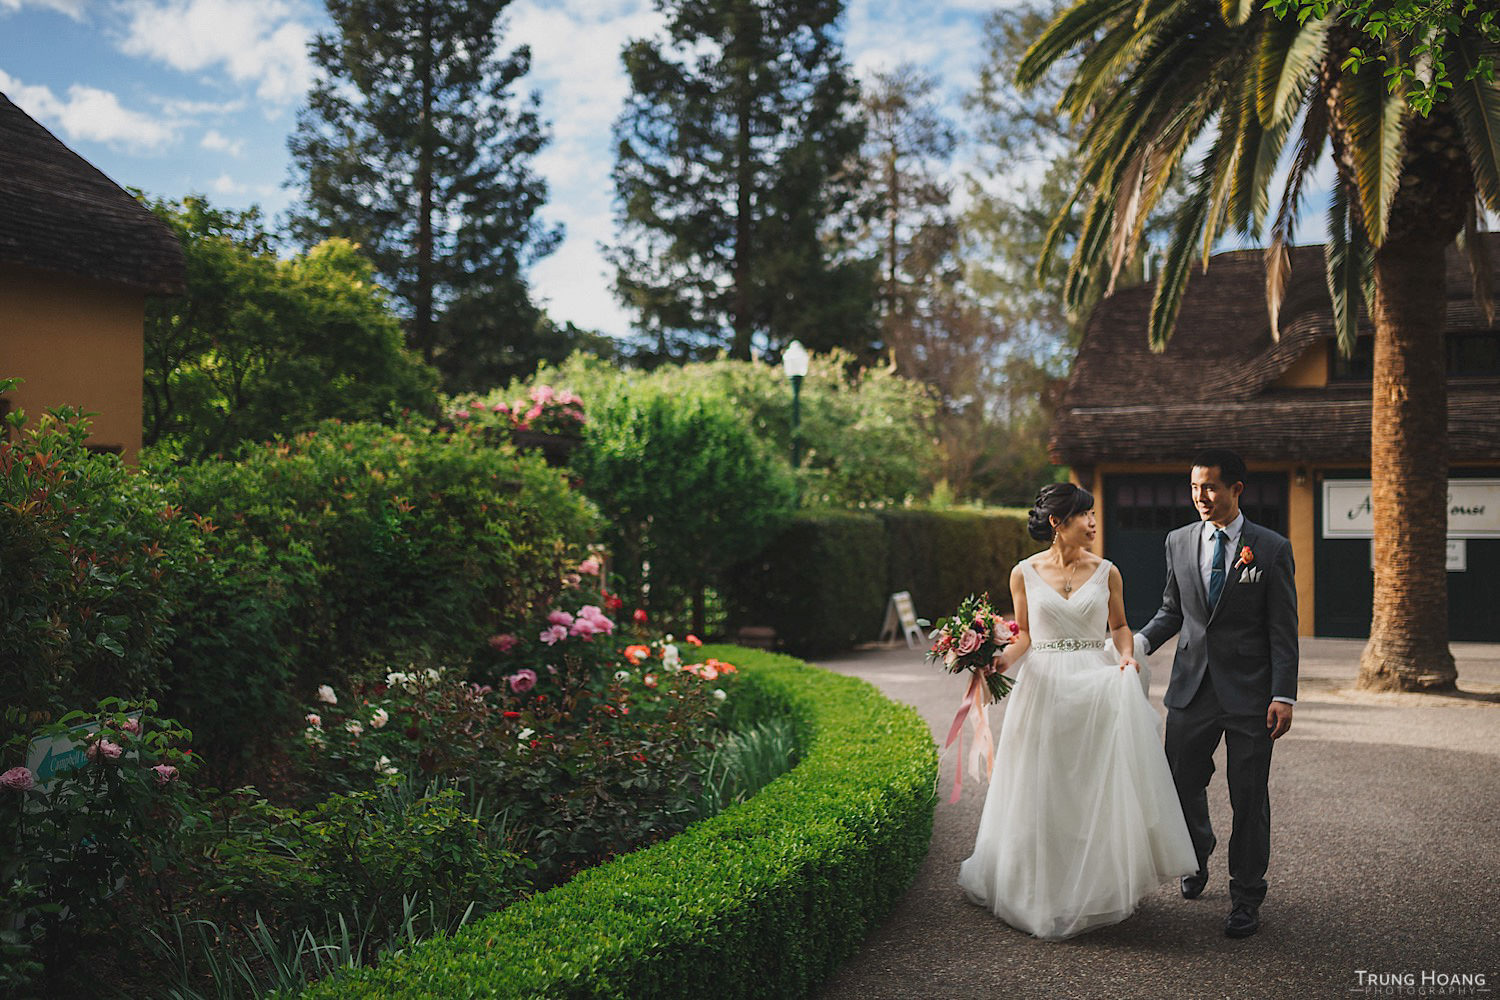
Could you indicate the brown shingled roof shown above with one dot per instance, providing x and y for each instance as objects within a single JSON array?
[
  {"x": 1216, "y": 381},
  {"x": 59, "y": 213}
]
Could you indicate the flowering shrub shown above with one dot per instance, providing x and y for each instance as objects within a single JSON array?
[
  {"x": 545, "y": 411},
  {"x": 102, "y": 817}
]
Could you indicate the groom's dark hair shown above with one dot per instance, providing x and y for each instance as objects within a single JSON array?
[{"x": 1229, "y": 463}]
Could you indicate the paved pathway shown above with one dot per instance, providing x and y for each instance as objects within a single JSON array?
[{"x": 1385, "y": 858}]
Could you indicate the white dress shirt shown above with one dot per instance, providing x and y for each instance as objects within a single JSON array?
[{"x": 1206, "y": 547}]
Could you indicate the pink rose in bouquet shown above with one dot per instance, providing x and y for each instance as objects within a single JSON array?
[{"x": 968, "y": 642}]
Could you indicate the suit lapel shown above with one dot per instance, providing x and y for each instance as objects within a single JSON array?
[{"x": 1188, "y": 557}]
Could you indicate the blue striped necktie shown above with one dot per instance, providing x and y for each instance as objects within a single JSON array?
[{"x": 1216, "y": 574}]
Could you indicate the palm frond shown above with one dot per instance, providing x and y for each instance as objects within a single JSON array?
[
  {"x": 1283, "y": 231},
  {"x": 1236, "y": 12},
  {"x": 1350, "y": 261},
  {"x": 1375, "y": 120},
  {"x": 1476, "y": 102},
  {"x": 1177, "y": 263},
  {"x": 1072, "y": 26}
]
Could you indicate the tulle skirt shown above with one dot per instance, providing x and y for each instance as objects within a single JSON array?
[{"x": 1081, "y": 819}]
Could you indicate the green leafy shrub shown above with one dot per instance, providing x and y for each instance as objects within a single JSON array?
[
  {"x": 83, "y": 612},
  {"x": 763, "y": 900},
  {"x": 686, "y": 490},
  {"x": 260, "y": 346},
  {"x": 821, "y": 582},
  {"x": 824, "y": 581},
  {"x": 375, "y": 545}
]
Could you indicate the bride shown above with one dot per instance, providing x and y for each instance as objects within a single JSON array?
[{"x": 1082, "y": 818}]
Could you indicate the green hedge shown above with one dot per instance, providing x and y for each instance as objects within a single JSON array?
[
  {"x": 765, "y": 899},
  {"x": 823, "y": 582}
]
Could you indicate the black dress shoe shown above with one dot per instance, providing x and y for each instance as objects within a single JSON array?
[
  {"x": 1242, "y": 921},
  {"x": 1192, "y": 885}
]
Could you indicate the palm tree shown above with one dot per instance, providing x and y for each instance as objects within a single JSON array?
[{"x": 1158, "y": 76}]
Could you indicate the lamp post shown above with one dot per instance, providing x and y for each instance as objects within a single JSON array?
[{"x": 794, "y": 363}]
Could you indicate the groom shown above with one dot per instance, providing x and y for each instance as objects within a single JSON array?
[{"x": 1231, "y": 595}]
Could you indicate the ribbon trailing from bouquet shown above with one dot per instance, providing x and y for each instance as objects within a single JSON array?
[{"x": 983, "y": 750}]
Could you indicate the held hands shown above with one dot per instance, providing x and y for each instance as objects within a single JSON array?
[
  {"x": 1278, "y": 719},
  {"x": 1129, "y": 661}
]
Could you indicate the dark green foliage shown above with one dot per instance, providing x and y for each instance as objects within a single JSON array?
[
  {"x": 260, "y": 346},
  {"x": 824, "y": 581},
  {"x": 413, "y": 146},
  {"x": 821, "y": 583},
  {"x": 382, "y": 546},
  {"x": 733, "y": 174},
  {"x": 82, "y": 612},
  {"x": 684, "y": 486},
  {"x": 762, "y": 900}
]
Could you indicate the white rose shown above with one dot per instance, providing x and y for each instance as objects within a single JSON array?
[
  {"x": 719, "y": 694},
  {"x": 433, "y": 675},
  {"x": 326, "y": 695},
  {"x": 384, "y": 766},
  {"x": 396, "y": 679},
  {"x": 622, "y": 675},
  {"x": 354, "y": 728},
  {"x": 525, "y": 735},
  {"x": 315, "y": 720},
  {"x": 669, "y": 657},
  {"x": 314, "y": 735},
  {"x": 380, "y": 718}
]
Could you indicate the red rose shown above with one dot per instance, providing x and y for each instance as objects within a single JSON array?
[
  {"x": 511, "y": 715},
  {"x": 1246, "y": 556},
  {"x": 640, "y": 615}
]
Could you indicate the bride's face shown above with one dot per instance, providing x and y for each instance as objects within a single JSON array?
[{"x": 1078, "y": 531}]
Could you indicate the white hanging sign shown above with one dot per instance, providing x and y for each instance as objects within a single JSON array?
[{"x": 1473, "y": 508}]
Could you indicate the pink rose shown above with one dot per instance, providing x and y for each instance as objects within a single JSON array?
[
  {"x": 314, "y": 719},
  {"x": 589, "y": 566},
  {"x": 131, "y": 726},
  {"x": 500, "y": 408},
  {"x": 649, "y": 680},
  {"x": 969, "y": 642},
  {"x": 708, "y": 672},
  {"x": 164, "y": 774},
  {"x": 533, "y": 413},
  {"x": 522, "y": 680},
  {"x": 583, "y": 627},
  {"x": 504, "y": 643},
  {"x": 542, "y": 394},
  {"x": 18, "y": 779},
  {"x": 554, "y": 635},
  {"x": 568, "y": 398},
  {"x": 105, "y": 749},
  {"x": 560, "y": 618},
  {"x": 461, "y": 414}
]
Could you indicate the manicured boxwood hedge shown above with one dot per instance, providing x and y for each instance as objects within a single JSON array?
[
  {"x": 823, "y": 582},
  {"x": 763, "y": 900}
]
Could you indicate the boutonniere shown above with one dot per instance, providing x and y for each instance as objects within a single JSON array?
[{"x": 1246, "y": 556}]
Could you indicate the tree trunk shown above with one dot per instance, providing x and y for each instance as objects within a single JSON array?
[
  {"x": 1408, "y": 647},
  {"x": 422, "y": 301},
  {"x": 744, "y": 179}
]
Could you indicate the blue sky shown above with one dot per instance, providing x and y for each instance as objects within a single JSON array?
[{"x": 198, "y": 96}]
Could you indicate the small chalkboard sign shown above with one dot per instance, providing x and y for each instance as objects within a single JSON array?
[{"x": 901, "y": 618}]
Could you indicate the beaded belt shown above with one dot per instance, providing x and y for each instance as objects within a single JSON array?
[{"x": 1068, "y": 645}]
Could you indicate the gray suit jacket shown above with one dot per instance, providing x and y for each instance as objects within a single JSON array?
[{"x": 1247, "y": 644}]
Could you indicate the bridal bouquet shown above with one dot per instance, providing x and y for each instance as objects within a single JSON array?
[{"x": 970, "y": 640}]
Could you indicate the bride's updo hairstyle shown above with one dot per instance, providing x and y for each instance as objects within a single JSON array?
[{"x": 1059, "y": 500}]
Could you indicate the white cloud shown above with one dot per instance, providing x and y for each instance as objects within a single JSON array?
[
  {"x": 89, "y": 114},
  {"x": 72, "y": 8},
  {"x": 227, "y": 185},
  {"x": 262, "y": 43},
  {"x": 219, "y": 143}
]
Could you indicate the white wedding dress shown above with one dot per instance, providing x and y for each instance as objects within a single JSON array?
[{"x": 1082, "y": 818}]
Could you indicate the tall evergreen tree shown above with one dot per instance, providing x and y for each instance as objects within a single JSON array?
[
  {"x": 736, "y": 181},
  {"x": 413, "y": 146}
]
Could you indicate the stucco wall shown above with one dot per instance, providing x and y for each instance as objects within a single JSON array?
[{"x": 75, "y": 342}]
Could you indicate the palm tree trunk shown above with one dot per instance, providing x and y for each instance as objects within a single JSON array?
[{"x": 1408, "y": 647}]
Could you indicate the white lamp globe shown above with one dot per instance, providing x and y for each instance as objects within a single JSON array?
[{"x": 794, "y": 360}]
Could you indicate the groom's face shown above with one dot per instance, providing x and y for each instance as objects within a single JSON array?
[{"x": 1216, "y": 500}]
